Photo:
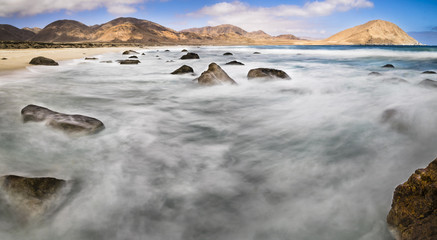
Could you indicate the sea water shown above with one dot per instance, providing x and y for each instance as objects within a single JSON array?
[{"x": 307, "y": 158}]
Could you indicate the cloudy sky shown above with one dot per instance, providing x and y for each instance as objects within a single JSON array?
[{"x": 304, "y": 18}]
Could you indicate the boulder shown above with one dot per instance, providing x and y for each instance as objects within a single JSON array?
[
  {"x": 227, "y": 54},
  {"x": 428, "y": 83},
  {"x": 184, "y": 50},
  {"x": 43, "y": 61},
  {"x": 429, "y": 72},
  {"x": 413, "y": 213},
  {"x": 190, "y": 56},
  {"x": 128, "y": 61},
  {"x": 234, "y": 63},
  {"x": 184, "y": 69},
  {"x": 268, "y": 73},
  {"x": 128, "y": 52},
  {"x": 388, "y": 66},
  {"x": 30, "y": 198},
  {"x": 133, "y": 57},
  {"x": 214, "y": 76},
  {"x": 75, "y": 124},
  {"x": 91, "y": 58},
  {"x": 376, "y": 74}
]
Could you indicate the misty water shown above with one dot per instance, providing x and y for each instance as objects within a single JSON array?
[{"x": 304, "y": 159}]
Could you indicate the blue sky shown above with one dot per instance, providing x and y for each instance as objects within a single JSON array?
[{"x": 305, "y": 18}]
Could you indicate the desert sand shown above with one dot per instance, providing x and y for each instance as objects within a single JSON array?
[{"x": 20, "y": 58}]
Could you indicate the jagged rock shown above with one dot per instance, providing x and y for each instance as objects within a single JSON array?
[
  {"x": 214, "y": 76},
  {"x": 43, "y": 61},
  {"x": 184, "y": 69},
  {"x": 375, "y": 74},
  {"x": 227, "y": 54},
  {"x": 388, "y": 66},
  {"x": 429, "y": 72},
  {"x": 128, "y": 61},
  {"x": 413, "y": 213},
  {"x": 428, "y": 83},
  {"x": 234, "y": 63},
  {"x": 30, "y": 198},
  {"x": 91, "y": 58},
  {"x": 77, "y": 124},
  {"x": 267, "y": 73},
  {"x": 133, "y": 57},
  {"x": 184, "y": 50},
  {"x": 128, "y": 52},
  {"x": 190, "y": 56}
]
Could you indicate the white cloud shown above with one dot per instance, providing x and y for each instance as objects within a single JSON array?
[
  {"x": 277, "y": 19},
  {"x": 28, "y": 7}
]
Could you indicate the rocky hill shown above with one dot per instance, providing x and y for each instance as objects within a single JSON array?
[{"x": 11, "y": 33}]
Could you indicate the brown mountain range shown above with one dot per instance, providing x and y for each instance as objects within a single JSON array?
[{"x": 132, "y": 30}]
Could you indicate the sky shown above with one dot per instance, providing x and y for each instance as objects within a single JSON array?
[{"x": 304, "y": 18}]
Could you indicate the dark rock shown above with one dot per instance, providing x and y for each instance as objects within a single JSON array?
[
  {"x": 4, "y": 58},
  {"x": 256, "y": 53},
  {"x": 268, "y": 73},
  {"x": 128, "y": 61},
  {"x": 396, "y": 120},
  {"x": 30, "y": 198},
  {"x": 190, "y": 56},
  {"x": 184, "y": 50},
  {"x": 234, "y": 63},
  {"x": 106, "y": 61},
  {"x": 43, "y": 61},
  {"x": 167, "y": 50},
  {"x": 413, "y": 213},
  {"x": 429, "y": 72},
  {"x": 91, "y": 58},
  {"x": 375, "y": 74},
  {"x": 169, "y": 61},
  {"x": 388, "y": 66},
  {"x": 428, "y": 83},
  {"x": 184, "y": 69},
  {"x": 227, "y": 54},
  {"x": 133, "y": 57},
  {"x": 128, "y": 52},
  {"x": 143, "y": 54},
  {"x": 77, "y": 124},
  {"x": 215, "y": 75}
]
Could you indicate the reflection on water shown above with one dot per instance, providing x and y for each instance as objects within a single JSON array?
[{"x": 309, "y": 158}]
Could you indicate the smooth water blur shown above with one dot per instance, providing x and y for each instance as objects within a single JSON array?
[{"x": 303, "y": 159}]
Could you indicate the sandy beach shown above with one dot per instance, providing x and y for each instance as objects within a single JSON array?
[{"x": 20, "y": 58}]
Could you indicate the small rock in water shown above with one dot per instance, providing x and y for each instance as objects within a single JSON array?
[
  {"x": 143, "y": 54},
  {"x": 429, "y": 72},
  {"x": 214, "y": 76},
  {"x": 128, "y": 61},
  {"x": 396, "y": 120},
  {"x": 190, "y": 56},
  {"x": 109, "y": 61},
  {"x": 43, "y": 61},
  {"x": 128, "y": 52},
  {"x": 167, "y": 50},
  {"x": 388, "y": 66},
  {"x": 184, "y": 50},
  {"x": 184, "y": 69},
  {"x": 428, "y": 83},
  {"x": 267, "y": 73},
  {"x": 256, "y": 53},
  {"x": 133, "y": 57},
  {"x": 76, "y": 124},
  {"x": 395, "y": 80},
  {"x": 227, "y": 54},
  {"x": 375, "y": 74},
  {"x": 234, "y": 63},
  {"x": 91, "y": 58}
]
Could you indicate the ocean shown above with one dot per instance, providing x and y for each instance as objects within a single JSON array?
[{"x": 302, "y": 159}]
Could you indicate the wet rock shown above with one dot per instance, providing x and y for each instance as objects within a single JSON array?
[
  {"x": 214, "y": 76},
  {"x": 184, "y": 50},
  {"x": 128, "y": 61},
  {"x": 429, "y": 72},
  {"x": 396, "y": 120},
  {"x": 428, "y": 83},
  {"x": 109, "y": 61},
  {"x": 388, "y": 66},
  {"x": 133, "y": 57},
  {"x": 413, "y": 213},
  {"x": 256, "y": 53},
  {"x": 234, "y": 63},
  {"x": 91, "y": 58},
  {"x": 376, "y": 74},
  {"x": 30, "y": 198},
  {"x": 184, "y": 69},
  {"x": 75, "y": 124},
  {"x": 227, "y": 54},
  {"x": 267, "y": 73},
  {"x": 190, "y": 56},
  {"x": 43, "y": 61},
  {"x": 128, "y": 52},
  {"x": 167, "y": 50}
]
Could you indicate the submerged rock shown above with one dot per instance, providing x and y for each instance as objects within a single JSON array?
[
  {"x": 128, "y": 52},
  {"x": 43, "y": 61},
  {"x": 184, "y": 69},
  {"x": 268, "y": 73},
  {"x": 167, "y": 50},
  {"x": 91, "y": 58},
  {"x": 413, "y": 213},
  {"x": 227, "y": 54},
  {"x": 395, "y": 80},
  {"x": 376, "y": 74},
  {"x": 234, "y": 63},
  {"x": 256, "y": 53},
  {"x": 190, "y": 56},
  {"x": 109, "y": 61},
  {"x": 214, "y": 76},
  {"x": 129, "y": 61},
  {"x": 77, "y": 124},
  {"x": 428, "y": 83},
  {"x": 388, "y": 66},
  {"x": 184, "y": 50},
  {"x": 133, "y": 57},
  {"x": 429, "y": 72},
  {"x": 30, "y": 198},
  {"x": 396, "y": 119}
]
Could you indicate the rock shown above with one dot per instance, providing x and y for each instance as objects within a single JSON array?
[
  {"x": 143, "y": 54},
  {"x": 388, "y": 66},
  {"x": 227, "y": 54},
  {"x": 167, "y": 50},
  {"x": 77, "y": 124},
  {"x": 190, "y": 56},
  {"x": 375, "y": 74},
  {"x": 30, "y": 198},
  {"x": 267, "y": 73},
  {"x": 184, "y": 69},
  {"x": 91, "y": 58},
  {"x": 133, "y": 57},
  {"x": 4, "y": 58},
  {"x": 428, "y": 83},
  {"x": 214, "y": 76},
  {"x": 396, "y": 120},
  {"x": 413, "y": 213},
  {"x": 184, "y": 50},
  {"x": 234, "y": 63},
  {"x": 256, "y": 53},
  {"x": 128, "y": 61},
  {"x": 128, "y": 52},
  {"x": 395, "y": 80},
  {"x": 43, "y": 61},
  {"x": 429, "y": 72},
  {"x": 109, "y": 61},
  {"x": 169, "y": 61}
]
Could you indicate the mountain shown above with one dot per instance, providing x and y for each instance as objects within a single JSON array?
[
  {"x": 34, "y": 29},
  {"x": 64, "y": 31},
  {"x": 217, "y": 30},
  {"x": 9, "y": 32},
  {"x": 376, "y": 32}
]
